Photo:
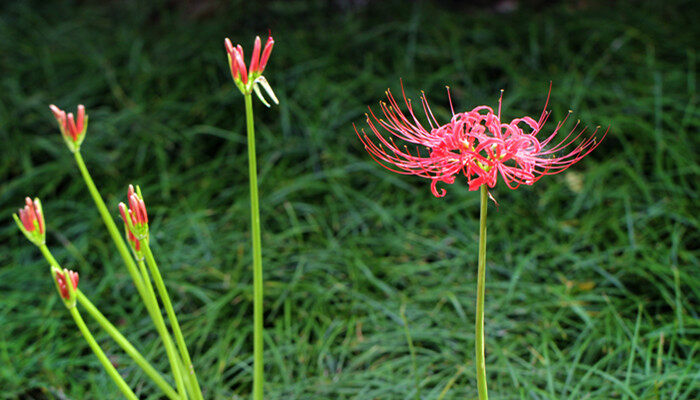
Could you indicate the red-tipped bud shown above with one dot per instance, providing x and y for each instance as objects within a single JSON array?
[
  {"x": 72, "y": 128},
  {"x": 266, "y": 53},
  {"x": 31, "y": 221},
  {"x": 28, "y": 215},
  {"x": 81, "y": 117},
  {"x": 134, "y": 207},
  {"x": 142, "y": 211},
  {"x": 128, "y": 218},
  {"x": 59, "y": 114},
  {"x": 135, "y": 218},
  {"x": 241, "y": 68},
  {"x": 247, "y": 79},
  {"x": 235, "y": 74},
  {"x": 255, "y": 58},
  {"x": 231, "y": 54},
  {"x": 137, "y": 210},
  {"x": 73, "y": 132},
  {"x": 122, "y": 211},
  {"x": 62, "y": 277},
  {"x": 229, "y": 46}
]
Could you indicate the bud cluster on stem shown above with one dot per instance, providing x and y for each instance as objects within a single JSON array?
[
  {"x": 246, "y": 80},
  {"x": 135, "y": 220},
  {"x": 62, "y": 277},
  {"x": 250, "y": 80},
  {"x": 72, "y": 130},
  {"x": 31, "y": 221},
  {"x": 141, "y": 263}
]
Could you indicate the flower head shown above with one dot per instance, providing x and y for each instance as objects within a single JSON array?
[
  {"x": 61, "y": 282},
  {"x": 67, "y": 292},
  {"x": 474, "y": 143},
  {"x": 250, "y": 79},
  {"x": 135, "y": 220},
  {"x": 72, "y": 130},
  {"x": 31, "y": 221}
]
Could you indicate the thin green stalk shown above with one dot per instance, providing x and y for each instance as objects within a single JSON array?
[
  {"x": 258, "y": 378},
  {"x": 480, "y": 289},
  {"x": 179, "y": 338},
  {"x": 111, "y": 226},
  {"x": 173, "y": 358},
  {"x": 151, "y": 307},
  {"x": 126, "y": 346},
  {"x": 187, "y": 380},
  {"x": 111, "y": 371},
  {"x": 49, "y": 257}
]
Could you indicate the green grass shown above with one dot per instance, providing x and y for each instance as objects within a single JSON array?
[{"x": 592, "y": 275}]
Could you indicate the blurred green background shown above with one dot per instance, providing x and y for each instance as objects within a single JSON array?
[{"x": 592, "y": 280}]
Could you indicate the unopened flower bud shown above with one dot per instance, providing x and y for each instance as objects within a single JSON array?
[
  {"x": 31, "y": 221},
  {"x": 66, "y": 291},
  {"x": 72, "y": 129},
  {"x": 249, "y": 79}
]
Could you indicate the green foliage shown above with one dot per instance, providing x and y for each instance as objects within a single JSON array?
[{"x": 592, "y": 275}]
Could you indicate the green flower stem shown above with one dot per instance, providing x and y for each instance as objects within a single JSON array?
[
  {"x": 111, "y": 371},
  {"x": 126, "y": 346},
  {"x": 258, "y": 377},
  {"x": 480, "y": 289},
  {"x": 111, "y": 226},
  {"x": 165, "y": 298},
  {"x": 173, "y": 358},
  {"x": 186, "y": 379},
  {"x": 151, "y": 307},
  {"x": 49, "y": 257}
]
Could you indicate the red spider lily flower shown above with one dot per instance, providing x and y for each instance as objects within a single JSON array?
[
  {"x": 475, "y": 143},
  {"x": 31, "y": 221},
  {"x": 72, "y": 130},
  {"x": 135, "y": 220},
  {"x": 61, "y": 278},
  {"x": 250, "y": 79}
]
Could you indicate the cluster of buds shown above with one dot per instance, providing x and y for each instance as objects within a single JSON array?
[
  {"x": 250, "y": 79},
  {"x": 72, "y": 130},
  {"x": 135, "y": 220},
  {"x": 67, "y": 292},
  {"x": 31, "y": 221}
]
